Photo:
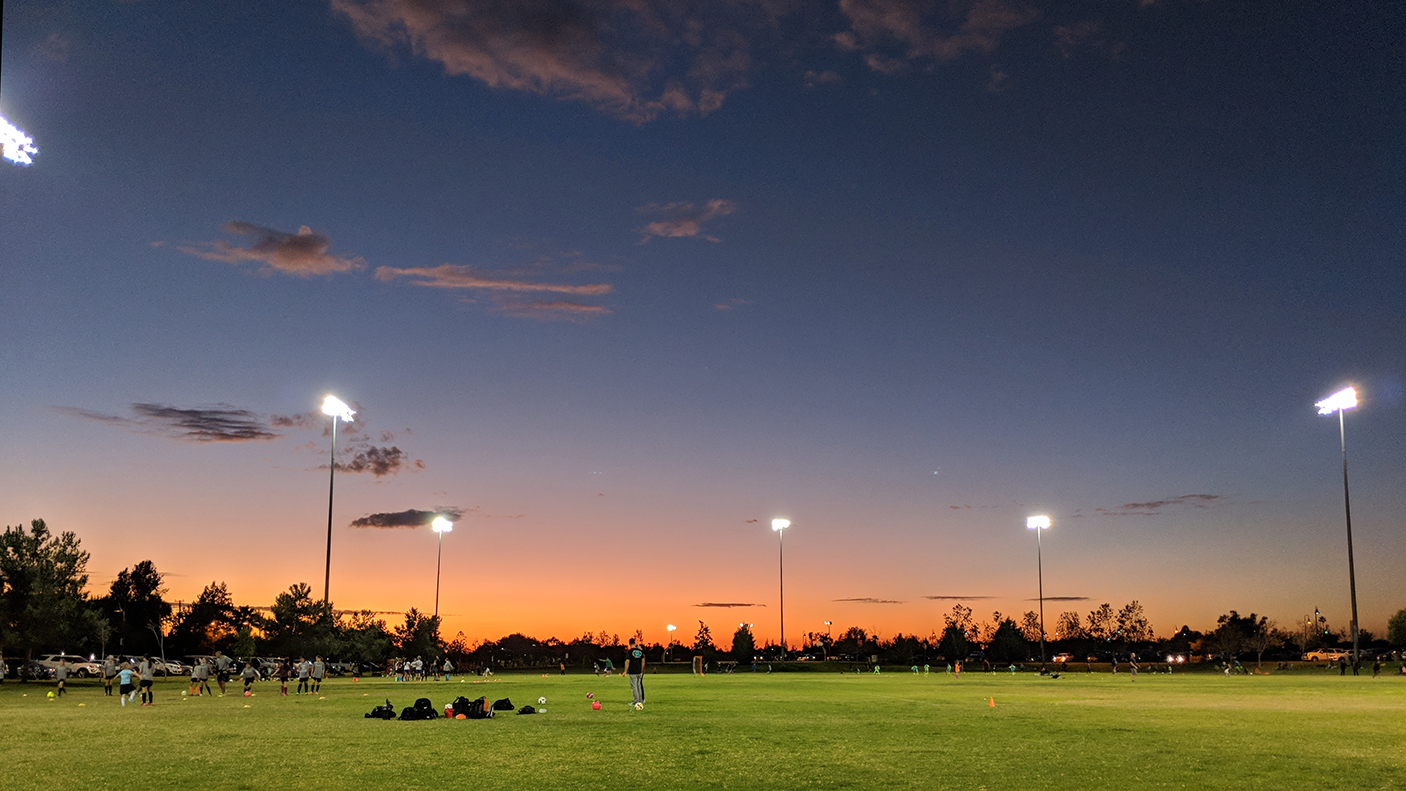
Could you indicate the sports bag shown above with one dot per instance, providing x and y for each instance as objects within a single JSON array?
[
  {"x": 386, "y": 712},
  {"x": 422, "y": 710},
  {"x": 480, "y": 710},
  {"x": 503, "y": 705}
]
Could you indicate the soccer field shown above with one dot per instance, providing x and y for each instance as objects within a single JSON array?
[{"x": 786, "y": 730}]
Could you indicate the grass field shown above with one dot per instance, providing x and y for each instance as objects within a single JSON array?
[{"x": 786, "y": 730}]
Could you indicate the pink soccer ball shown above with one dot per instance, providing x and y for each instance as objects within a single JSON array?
[{"x": 590, "y": 695}]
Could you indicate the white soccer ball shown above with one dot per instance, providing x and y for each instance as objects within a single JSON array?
[
  {"x": 541, "y": 700},
  {"x": 639, "y": 707}
]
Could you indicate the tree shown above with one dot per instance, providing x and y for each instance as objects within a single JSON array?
[
  {"x": 1100, "y": 623},
  {"x": 136, "y": 610},
  {"x": 954, "y": 646},
  {"x": 744, "y": 646},
  {"x": 1133, "y": 625},
  {"x": 960, "y": 617},
  {"x": 365, "y": 639},
  {"x": 1030, "y": 626},
  {"x": 419, "y": 636},
  {"x": 1396, "y": 628},
  {"x": 298, "y": 625},
  {"x": 1008, "y": 644},
  {"x": 1068, "y": 626},
  {"x": 1264, "y": 635},
  {"x": 703, "y": 641},
  {"x": 42, "y": 604},
  {"x": 208, "y": 624},
  {"x": 1235, "y": 632}
]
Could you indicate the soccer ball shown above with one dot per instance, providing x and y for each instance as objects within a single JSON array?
[
  {"x": 247, "y": 693},
  {"x": 639, "y": 707},
  {"x": 590, "y": 695},
  {"x": 183, "y": 693},
  {"x": 541, "y": 700},
  {"x": 51, "y": 696}
]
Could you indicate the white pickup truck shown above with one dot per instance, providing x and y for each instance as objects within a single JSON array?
[{"x": 1327, "y": 655}]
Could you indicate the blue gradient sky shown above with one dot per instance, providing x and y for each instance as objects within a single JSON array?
[{"x": 963, "y": 263}]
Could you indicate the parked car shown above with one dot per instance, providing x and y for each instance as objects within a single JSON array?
[
  {"x": 1327, "y": 655},
  {"x": 78, "y": 667},
  {"x": 17, "y": 667},
  {"x": 1061, "y": 658}
]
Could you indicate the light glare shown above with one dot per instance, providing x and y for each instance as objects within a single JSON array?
[
  {"x": 1037, "y": 523},
  {"x": 15, "y": 145},
  {"x": 780, "y": 524},
  {"x": 333, "y": 406},
  {"x": 1345, "y": 398},
  {"x": 442, "y": 525}
]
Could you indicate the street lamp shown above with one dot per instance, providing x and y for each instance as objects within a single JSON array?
[
  {"x": 1040, "y": 524},
  {"x": 441, "y": 526},
  {"x": 780, "y": 525},
  {"x": 1339, "y": 402},
  {"x": 334, "y": 408},
  {"x": 828, "y": 639},
  {"x": 671, "y": 629}
]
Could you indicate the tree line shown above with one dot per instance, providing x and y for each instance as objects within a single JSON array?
[{"x": 44, "y": 606}]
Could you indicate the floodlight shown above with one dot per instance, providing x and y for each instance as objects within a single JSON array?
[
  {"x": 1037, "y": 523},
  {"x": 333, "y": 406},
  {"x": 442, "y": 525},
  {"x": 1345, "y": 398},
  {"x": 780, "y": 524}
]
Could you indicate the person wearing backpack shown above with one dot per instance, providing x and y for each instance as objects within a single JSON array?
[{"x": 634, "y": 669}]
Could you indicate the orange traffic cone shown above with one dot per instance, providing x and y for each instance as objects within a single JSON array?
[{"x": 991, "y": 702}]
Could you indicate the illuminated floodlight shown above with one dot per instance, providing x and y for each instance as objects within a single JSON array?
[
  {"x": 780, "y": 524},
  {"x": 442, "y": 525},
  {"x": 1345, "y": 398},
  {"x": 15, "y": 145},
  {"x": 333, "y": 406},
  {"x": 1037, "y": 523}
]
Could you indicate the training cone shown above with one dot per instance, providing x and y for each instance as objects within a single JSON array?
[{"x": 991, "y": 702}]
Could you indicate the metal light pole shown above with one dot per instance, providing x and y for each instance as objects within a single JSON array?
[
  {"x": 780, "y": 525},
  {"x": 441, "y": 526},
  {"x": 1040, "y": 524},
  {"x": 828, "y": 640},
  {"x": 334, "y": 408},
  {"x": 671, "y": 629},
  {"x": 1339, "y": 402}
]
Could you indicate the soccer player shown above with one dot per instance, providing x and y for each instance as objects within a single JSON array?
[
  {"x": 126, "y": 690},
  {"x": 634, "y": 668},
  {"x": 222, "y": 664},
  {"x": 304, "y": 668},
  {"x": 251, "y": 674},
  {"x": 109, "y": 673},
  {"x": 194, "y": 679},
  {"x": 204, "y": 687},
  {"x": 148, "y": 677},
  {"x": 285, "y": 669},
  {"x": 319, "y": 669},
  {"x": 60, "y": 676}
]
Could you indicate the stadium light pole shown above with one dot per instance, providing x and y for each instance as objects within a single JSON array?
[
  {"x": 441, "y": 526},
  {"x": 1040, "y": 524},
  {"x": 334, "y": 408},
  {"x": 828, "y": 639},
  {"x": 780, "y": 525},
  {"x": 1339, "y": 402},
  {"x": 671, "y": 629}
]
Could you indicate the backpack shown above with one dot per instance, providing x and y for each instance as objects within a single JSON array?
[
  {"x": 527, "y": 710},
  {"x": 461, "y": 705},
  {"x": 503, "y": 705},
  {"x": 422, "y": 710},
  {"x": 480, "y": 710},
  {"x": 386, "y": 712}
]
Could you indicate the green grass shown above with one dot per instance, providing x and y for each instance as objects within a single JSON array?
[{"x": 787, "y": 730}]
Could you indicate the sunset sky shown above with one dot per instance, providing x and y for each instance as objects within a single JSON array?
[{"x": 619, "y": 281}]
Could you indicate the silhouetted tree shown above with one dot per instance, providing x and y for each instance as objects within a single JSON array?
[
  {"x": 136, "y": 610},
  {"x": 703, "y": 641},
  {"x": 42, "y": 576},
  {"x": 744, "y": 646},
  {"x": 1396, "y": 629}
]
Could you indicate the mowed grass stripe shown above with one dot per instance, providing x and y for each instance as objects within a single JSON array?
[{"x": 744, "y": 731}]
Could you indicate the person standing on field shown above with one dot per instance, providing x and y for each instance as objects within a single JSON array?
[
  {"x": 222, "y": 664},
  {"x": 126, "y": 690},
  {"x": 203, "y": 688},
  {"x": 304, "y": 668},
  {"x": 109, "y": 673},
  {"x": 634, "y": 668},
  {"x": 61, "y": 676},
  {"x": 319, "y": 669},
  {"x": 148, "y": 677},
  {"x": 251, "y": 674},
  {"x": 285, "y": 669}
]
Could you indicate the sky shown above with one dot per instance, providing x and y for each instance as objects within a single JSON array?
[{"x": 616, "y": 282}]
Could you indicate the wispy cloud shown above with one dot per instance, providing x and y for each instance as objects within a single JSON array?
[
  {"x": 867, "y": 600},
  {"x": 684, "y": 219},
  {"x": 727, "y": 604},
  {"x": 958, "y": 598},
  {"x": 558, "y": 310},
  {"x": 303, "y": 253},
  {"x": 410, "y": 518},
  {"x": 218, "y": 423},
  {"x": 927, "y": 31},
  {"x": 1155, "y": 507},
  {"x": 513, "y": 292},
  {"x": 1062, "y": 598},
  {"x": 452, "y": 276},
  {"x": 732, "y": 304},
  {"x": 631, "y": 59},
  {"x": 380, "y": 461}
]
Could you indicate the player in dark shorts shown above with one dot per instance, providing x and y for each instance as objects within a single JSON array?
[
  {"x": 251, "y": 674},
  {"x": 222, "y": 665},
  {"x": 148, "y": 676},
  {"x": 285, "y": 669},
  {"x": 304, "y": 667},
  {"x": 61, "y": 676},
  {"x": 318, "y": 671},
  {"x": 203, "y": 688},
  {"x": 109, "y": 673},
  {"x": 126, "y": 689}
]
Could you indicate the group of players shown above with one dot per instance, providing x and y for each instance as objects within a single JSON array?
[{"x": 138, "y": 676}]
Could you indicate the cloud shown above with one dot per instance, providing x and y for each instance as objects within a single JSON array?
[
  {"x": 409, "y": 518},
  {"x": 1063, "y": 598},
  {"x": 1154, "y": 507},
  {"x": 726, "y": 604},
  {"x": 380, "y": 461},
  {"x": 559, "y": 310},
  {"x": 683, "y": 219},
  {"x": 453, "y": 276},
  {"x": 928, "y": 31},
  {"x": 218, "y": 423},
  {"x": 750, "y": 521},
  {"x": 958, "y": 598},
  {"x": 732, "y": 304},
  {"x": 631, "y": 59},
  {"x": 867, "y": 600},
  {"x": 817, "y": 78},
  {"x": 303, "y": 253},
  {"x": 1086, "y": 36}
]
